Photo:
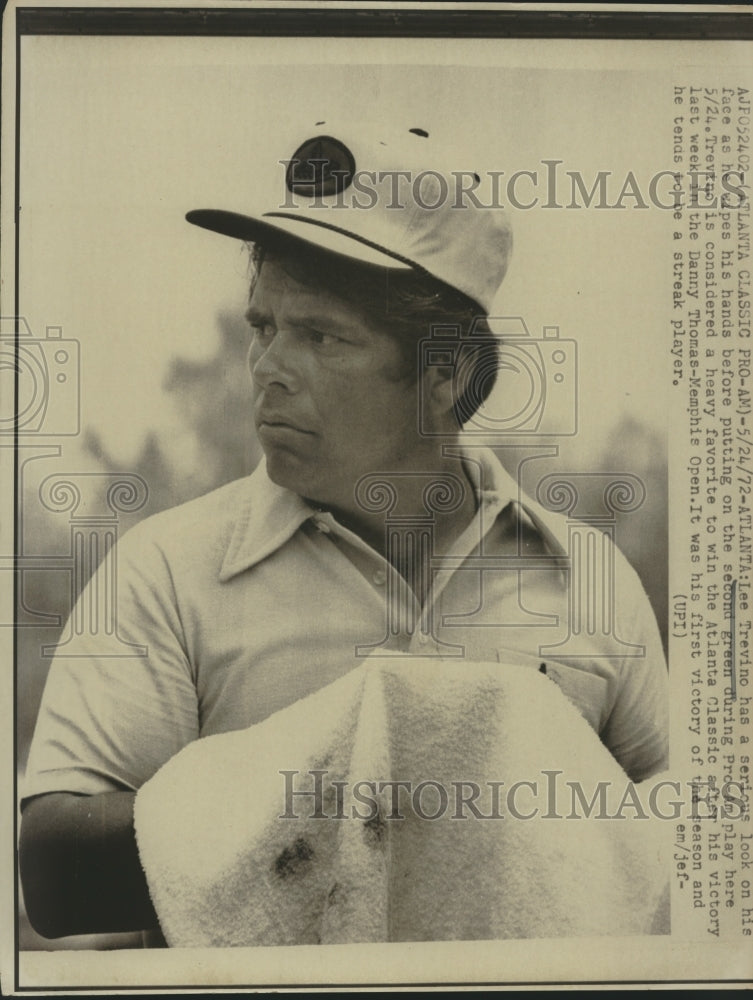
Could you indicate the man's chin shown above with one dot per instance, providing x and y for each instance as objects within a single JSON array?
[
  {"x": 305, "y": 479},
  {"x": 287, "y": 469}
]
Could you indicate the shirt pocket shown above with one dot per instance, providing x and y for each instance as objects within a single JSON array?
[{"x": 587, "y": 691}]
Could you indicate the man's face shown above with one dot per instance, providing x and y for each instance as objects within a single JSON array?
[{"x": 332, "y": 402}]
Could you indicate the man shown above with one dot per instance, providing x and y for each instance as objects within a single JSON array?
[{"x": 361, "y": 531}]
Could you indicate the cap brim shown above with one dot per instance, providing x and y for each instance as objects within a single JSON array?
[{"x": 286, "y": 228}]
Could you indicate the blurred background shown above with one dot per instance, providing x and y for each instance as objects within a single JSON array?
[{"x": 121, "y": 136}]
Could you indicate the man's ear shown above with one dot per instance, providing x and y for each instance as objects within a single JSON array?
[{"x": 440, "y": 390}]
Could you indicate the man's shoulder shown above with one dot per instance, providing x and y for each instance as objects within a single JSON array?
[
  {"x": 192, "y": 529},
  {"x": 555, "y": 525},
  {"x": 608, "y": 563}
]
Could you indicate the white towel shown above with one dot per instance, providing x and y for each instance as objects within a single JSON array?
[{"x": 224, "y": 869}]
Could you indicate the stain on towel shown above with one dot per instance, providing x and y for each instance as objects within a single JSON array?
[
  {"x": 293, "y": 861},
  {"x": 374, "y": 830}
]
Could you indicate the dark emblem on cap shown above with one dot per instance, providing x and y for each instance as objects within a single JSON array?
[{"x": 321, "y": 166}]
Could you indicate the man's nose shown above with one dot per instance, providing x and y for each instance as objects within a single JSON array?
[{"x": 274, "y": 363}]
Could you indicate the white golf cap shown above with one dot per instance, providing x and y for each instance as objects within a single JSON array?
[{"x": 384, "y": 198}]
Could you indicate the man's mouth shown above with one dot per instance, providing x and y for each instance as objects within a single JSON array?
[{"x": 273, "y": 422}]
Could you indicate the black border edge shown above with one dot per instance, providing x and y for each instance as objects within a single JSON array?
[
  {"x": 16, "y": 509},
  {"x": 385, "y": 22}
]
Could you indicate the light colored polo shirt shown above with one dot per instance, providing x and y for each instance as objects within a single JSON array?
[{"x": 248, "y": 599}]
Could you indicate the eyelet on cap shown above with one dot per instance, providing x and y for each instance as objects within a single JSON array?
[{"x": 321, "y": 165}]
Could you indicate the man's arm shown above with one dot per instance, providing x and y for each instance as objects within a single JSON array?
[
  {"x": 637, "y": 731},
  {"x": 80, "y": 866},
  {"x": 105, "y": 726}
]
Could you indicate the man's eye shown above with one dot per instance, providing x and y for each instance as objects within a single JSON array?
[
  {"x": 263, "y": 333},
  {"x": 325, "y": 339}
]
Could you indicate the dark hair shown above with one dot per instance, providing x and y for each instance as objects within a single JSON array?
[{"x": 409, "y": 304}]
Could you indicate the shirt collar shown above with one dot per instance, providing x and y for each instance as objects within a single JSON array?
[
  {"x": 270, "y": 514},
  {"x": 496, "y": 488}
]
